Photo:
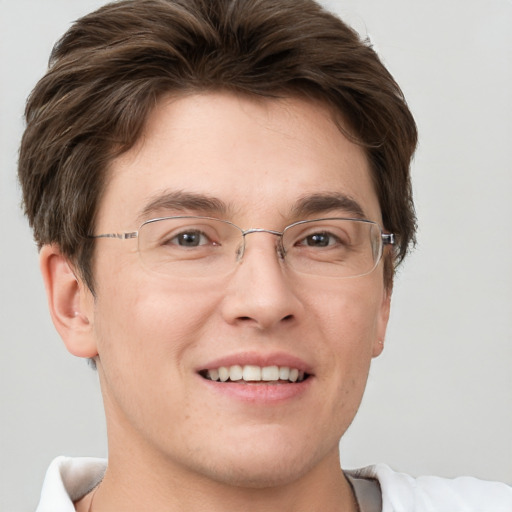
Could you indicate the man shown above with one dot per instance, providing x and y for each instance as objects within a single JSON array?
[{"x": 221, "y": 193}]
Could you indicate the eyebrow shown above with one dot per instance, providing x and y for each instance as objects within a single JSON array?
[
  {"x": 322, "y": 203},
  {"x": 182, "y": 201}
]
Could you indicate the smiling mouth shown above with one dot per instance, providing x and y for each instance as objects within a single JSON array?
[{"x": 252, "y": 373}]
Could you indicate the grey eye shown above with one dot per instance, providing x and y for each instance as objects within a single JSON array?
[{"x": 192, "y": 238}]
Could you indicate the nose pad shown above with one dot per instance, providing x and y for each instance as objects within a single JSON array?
[
  {"x": 281, "y": 251},
  {"x": 240, "y": 250}
]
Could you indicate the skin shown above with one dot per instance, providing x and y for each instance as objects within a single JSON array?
[{"x": 174, "y": 443}]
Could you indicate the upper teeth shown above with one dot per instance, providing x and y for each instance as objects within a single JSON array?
[{"x": 252, "y": 373}]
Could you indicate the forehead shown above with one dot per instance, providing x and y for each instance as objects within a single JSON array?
[{"x": 247, "y": 155}]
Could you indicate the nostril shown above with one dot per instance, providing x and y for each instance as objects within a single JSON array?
[{"x": 287, "y": 318}]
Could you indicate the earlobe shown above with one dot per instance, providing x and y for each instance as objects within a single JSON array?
[{"x": 70, "y": 302}]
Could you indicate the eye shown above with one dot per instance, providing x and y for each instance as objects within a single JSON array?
[
  {"x": 190, "y": 238},
  {"x": 320, "y": 239}
]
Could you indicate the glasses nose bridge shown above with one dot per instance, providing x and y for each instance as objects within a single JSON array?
[{"x": 261, "y": 230}]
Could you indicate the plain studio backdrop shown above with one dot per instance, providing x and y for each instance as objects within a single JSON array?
[{"x": 439, "y": 400}]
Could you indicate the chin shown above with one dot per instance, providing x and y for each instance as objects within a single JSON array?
[
  {"x": 258, "y": 474},
  {"x": 264, "y": 462}
]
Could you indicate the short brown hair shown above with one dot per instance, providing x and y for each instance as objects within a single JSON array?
[{"x": 109, "y": 70}]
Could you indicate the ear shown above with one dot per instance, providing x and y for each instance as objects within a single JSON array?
[
  {"x": 70, "y": 302},
  {"x": 382, "y": 321}
]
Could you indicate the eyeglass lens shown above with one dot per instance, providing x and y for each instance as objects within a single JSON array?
[{"x": 206, "y": 247}]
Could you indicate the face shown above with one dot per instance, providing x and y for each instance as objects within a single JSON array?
[{"x": 156, "y": 335}]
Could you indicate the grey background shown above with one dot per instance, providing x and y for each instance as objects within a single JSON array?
[{"x": 439, "y": 398}]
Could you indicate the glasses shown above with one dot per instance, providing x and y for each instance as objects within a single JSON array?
[{"x": 191, "y": 246}]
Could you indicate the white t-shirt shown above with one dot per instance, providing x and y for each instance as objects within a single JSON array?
[{"x": 69, "y": 479}]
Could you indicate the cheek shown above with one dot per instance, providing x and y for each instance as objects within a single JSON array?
[
  {"x": 149, "y": 324},
  {"x": 349, "y": 315},
  {"x": 145, "y": 335},
  {"x": 345, "y": 327}
]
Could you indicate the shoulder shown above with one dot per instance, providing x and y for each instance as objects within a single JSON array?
[
  {"x": 67, "y": 480},
  {"x": 403, "y": 493}
]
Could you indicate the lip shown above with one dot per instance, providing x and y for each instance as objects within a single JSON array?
[
  {"x": 259, "y": 392},
  {"x": 265, "y": 393}
]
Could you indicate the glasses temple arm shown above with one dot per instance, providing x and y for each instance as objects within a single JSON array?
[
  {"x": 121, "y": 236},
  {"x": 388, "y": 238}
]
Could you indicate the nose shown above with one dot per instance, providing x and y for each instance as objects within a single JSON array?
[{"x": 261, "y": 293}]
